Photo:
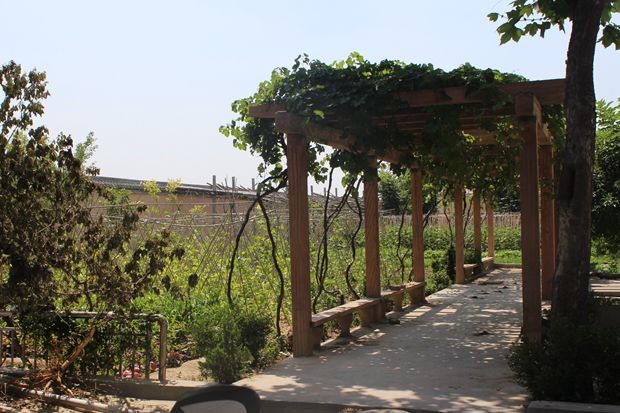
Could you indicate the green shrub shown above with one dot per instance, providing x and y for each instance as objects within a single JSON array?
[
  {"x": 603, "y": 260},
  {"x": 436, "y": 238},
  {"x": 233, "y": 342},
  {"x": 450, "y": 262},
  {"x": 254, "y": 334},
  {"x": 436, "y": 281},
  {"x": 443, "y": 273},
  {"x": 572, "y": 363},
  {"x": 472, "y": 257},
  {"x": 507, "y": 238}
]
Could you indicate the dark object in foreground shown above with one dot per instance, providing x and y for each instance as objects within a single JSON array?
[{"x": 219, "y": 398}]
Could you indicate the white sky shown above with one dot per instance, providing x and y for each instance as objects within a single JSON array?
[{"x": 154, "y": 80}]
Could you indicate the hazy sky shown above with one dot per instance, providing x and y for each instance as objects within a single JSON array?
[{"x": 154, "y": 80}]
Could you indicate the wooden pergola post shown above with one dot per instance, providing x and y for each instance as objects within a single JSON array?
[
  {"x": 297, "y": 158},
  {"x": 477, "y": 224},
  {"x": 417, "y": 223},
  {"x": 547, "y": 219},
  {"x": 488, "y": 206},
  {"x": 527, "y": 110},
  {"x": 459, "y": 235},
  {"x": 371, "y": 234}
]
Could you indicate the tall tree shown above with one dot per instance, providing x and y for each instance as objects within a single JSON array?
[
  {"x": 55, "y": 254},
  {"x": 574, "y": 195}
]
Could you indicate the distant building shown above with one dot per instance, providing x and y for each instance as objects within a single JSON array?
[{"x": 212, "y": 199}]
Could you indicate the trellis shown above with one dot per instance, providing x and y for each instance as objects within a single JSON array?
[{"x": 538, "y": 228}]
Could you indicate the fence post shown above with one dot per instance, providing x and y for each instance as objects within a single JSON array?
[
  {"x": 163, "y": 347},
  {"x": 147, "y": 351},
  {"x": 214, "y": 199}
]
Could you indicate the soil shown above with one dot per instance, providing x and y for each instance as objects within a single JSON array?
[{"x": 189, "y": 370}]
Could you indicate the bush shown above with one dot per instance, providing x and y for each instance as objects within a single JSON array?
[
  {"x": 436, "y": 238},
  {"x": 233, "y": 342},
  {"x": 437, "y": 280},
  {"x": 507, "y": 238},
  {"x": 572, "y": 363},
  {"x": 442, "y": 271},
  {"x": 472, "y": 257}
]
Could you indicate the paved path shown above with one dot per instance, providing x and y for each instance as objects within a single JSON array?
[{"x": 446, "y": 356}]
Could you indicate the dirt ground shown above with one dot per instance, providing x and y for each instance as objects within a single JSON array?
[{"x": 187, "y": 371}]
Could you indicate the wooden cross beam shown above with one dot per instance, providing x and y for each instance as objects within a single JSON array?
[
  {"x": 548, "y": 92},
  {"x": 289, "y": 123}
]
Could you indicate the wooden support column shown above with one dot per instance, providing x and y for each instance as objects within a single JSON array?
[
  {"x": 477, "y": 225},
  {"x": 371, "y": 234},
  {"x": 297, "y": 156},
  {"x": 527, "y": 108},
  {"x": 547, "y": 220},
  {"x": 459, "y": 235},
  {"x": 417, "y": 222},
  {"x": 490, "y": 228}
]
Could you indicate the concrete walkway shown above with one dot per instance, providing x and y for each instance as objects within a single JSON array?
[{"x": 449, "y": 355}]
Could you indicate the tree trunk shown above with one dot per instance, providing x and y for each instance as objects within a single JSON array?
[{"x": 570, "y": 290}]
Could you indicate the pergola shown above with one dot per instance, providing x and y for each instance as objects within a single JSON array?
[{"x": 538, "y": 222}]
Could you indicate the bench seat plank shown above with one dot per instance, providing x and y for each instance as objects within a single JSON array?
[{"x": 344, "y": 309}]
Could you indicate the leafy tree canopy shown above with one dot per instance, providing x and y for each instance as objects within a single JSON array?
[
  {"x": 56, "y": 254},
  {"x": 535, "y": 17}
]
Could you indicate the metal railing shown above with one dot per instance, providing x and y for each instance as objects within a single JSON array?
[{"x": 11, "y": 348}]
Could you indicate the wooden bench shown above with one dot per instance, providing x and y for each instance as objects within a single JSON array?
[
  {"x": 396, "y": 295},
  {"x": 487, "y": 265},
  {"x": 343, "y": 314},
  {"x": 414, "y": 289},
  {"x": 468, "y": 269},
  {"x": 606, "y": 289},
  {"x": 366, "y": 308}
]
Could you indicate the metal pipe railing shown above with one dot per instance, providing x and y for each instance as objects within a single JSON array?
[{"x": 158, "y": 318}]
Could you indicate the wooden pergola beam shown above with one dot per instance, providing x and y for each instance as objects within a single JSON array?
[
  {"x": 326, "y": 135},
  {"x": 548, "y": 92}
]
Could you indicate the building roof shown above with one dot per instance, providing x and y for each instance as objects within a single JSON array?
[{"x": 183, "y": 188}]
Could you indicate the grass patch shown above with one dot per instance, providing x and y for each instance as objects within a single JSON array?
[{"x": 508, "y": 257}]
